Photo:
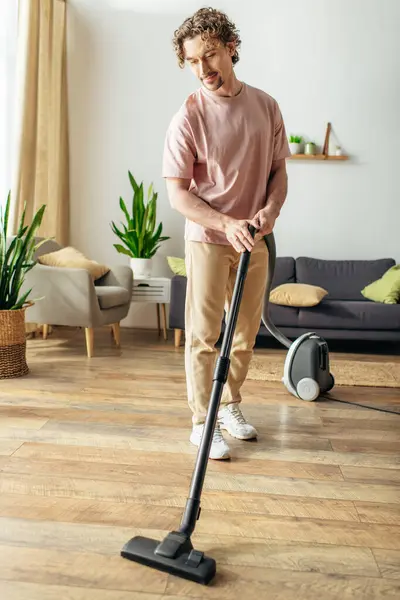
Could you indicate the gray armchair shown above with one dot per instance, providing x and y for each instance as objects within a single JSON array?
[{"x": 69, "y": 297}]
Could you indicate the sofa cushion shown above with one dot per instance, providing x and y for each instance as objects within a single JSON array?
[
  {"x": 332, "y": 314},
  {"x": 386, "y": 289},
  {"x": 284, "y": 316},
  {"x": 284, "y": 271},
  {"x": 344, "y": 279},
  {"x": 297, "y": 294},
  {"x": 110, "y": 296},
  {"x": 72, "y": 258},
  {"x": 177, "y": 265}
]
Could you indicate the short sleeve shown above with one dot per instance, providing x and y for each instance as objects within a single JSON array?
[
  {"x": 281, "y": 145},
  {"x": 179, "y": 149}
]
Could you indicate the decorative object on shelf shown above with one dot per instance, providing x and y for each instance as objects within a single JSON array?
[
  {"x": 15, "y": 261},
  {"x": 140, "y": 237},
  {"x": 295, "y": 144},
  {"x": 325, "y": 151},
  {"x": 310, "y": 149},
  {"x": 338, "y": 151}
]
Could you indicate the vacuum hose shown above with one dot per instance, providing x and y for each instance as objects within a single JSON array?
[{"x": 270, "y": 242}]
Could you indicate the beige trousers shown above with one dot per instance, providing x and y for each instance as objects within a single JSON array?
[{"x": 211, "y": 273}]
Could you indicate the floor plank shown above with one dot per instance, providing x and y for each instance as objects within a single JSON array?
[
  {"x": 15, "y": 590},
  {"x": 363, "y": 474},
  {"x": 235, "y": 582},
  {"x": 373, "y": 512},
  {"x": 95, "y": 451},
  {"x": 226, "y": 549},
  {"x": 28, "y": 422},
  {"x": 38, "y": 451},
  {"x": 388, "y": 563},
  {"x": 144, "y": 439},
  {"x": 122, "y": 510},
  {"x": 83, "y": 569},
  {"x": 144, "y": 467},
  {"x": 8, "y": 447}
]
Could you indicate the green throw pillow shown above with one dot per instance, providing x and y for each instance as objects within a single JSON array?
[
  {"x": 177, "y": 265},
  {"x": 386, "y": 289}
]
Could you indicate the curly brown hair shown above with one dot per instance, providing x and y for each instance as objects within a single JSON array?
[{"x": 210, "y": 24}]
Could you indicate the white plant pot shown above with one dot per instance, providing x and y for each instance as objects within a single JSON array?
[
  {"x": 141, "y": 267},
  {"x": 295, "y": 148}
]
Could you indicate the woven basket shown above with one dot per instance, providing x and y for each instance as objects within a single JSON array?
[{"x": 13, "y": 343}]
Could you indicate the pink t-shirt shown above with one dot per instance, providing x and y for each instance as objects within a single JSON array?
[{"x": 225, "y": 145}]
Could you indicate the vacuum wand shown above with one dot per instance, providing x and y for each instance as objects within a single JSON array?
[
  {"x": 219, "y": 379},
  {"x": 175, "y": 553}
]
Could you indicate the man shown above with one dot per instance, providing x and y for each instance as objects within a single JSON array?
[{"x": 224, "y": 164}]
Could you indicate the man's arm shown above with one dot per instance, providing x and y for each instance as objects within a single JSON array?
[
  {"x": 195, "y": 209},
  {"x": 277, "y": 186},
  {"x": 192, "y": 207}
]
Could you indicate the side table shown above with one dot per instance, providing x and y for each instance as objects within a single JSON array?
[{"x": 154, "y": 290}]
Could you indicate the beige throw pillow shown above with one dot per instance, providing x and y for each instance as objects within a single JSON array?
[
  {"x": 297, "y": 294},
  {"x": 73, "y": 259}
]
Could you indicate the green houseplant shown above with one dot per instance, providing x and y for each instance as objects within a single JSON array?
[
  {"x": 140, "y": 236},
  {"x": 16, "y": 259},
  {"x": 295, "y": 144}
]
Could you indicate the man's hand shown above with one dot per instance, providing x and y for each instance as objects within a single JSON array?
[
  {"x": 238, "y": 234},
  {"x": 264, "y": 222}
]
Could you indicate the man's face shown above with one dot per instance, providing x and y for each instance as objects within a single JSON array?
[{"x": 210, "y": 61}]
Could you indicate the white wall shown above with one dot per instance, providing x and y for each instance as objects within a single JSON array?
[{"x": 323, "y": 61}]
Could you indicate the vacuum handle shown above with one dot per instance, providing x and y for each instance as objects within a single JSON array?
[
  {"x": 252, "y": 230},
  {"x": 245, "y": 257},
  {"x": 236, "y": 298}
]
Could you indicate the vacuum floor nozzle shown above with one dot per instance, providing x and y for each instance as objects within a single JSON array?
[{"x": 189, "y": 564}]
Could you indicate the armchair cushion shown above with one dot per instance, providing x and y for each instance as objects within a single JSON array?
[
  {"x": 71, "y": 258},
  {"x": 111, "y": 296}
]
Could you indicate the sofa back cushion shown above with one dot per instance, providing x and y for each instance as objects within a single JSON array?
[
  {"x": 344, "y": 279},
  {"x": 284, "y": 271}
]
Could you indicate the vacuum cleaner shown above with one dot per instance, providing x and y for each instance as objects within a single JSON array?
[
  {"x": 306, "y": 376},
  {"x": 306, "y": 373},
  {"x": 175, "y": 554}
]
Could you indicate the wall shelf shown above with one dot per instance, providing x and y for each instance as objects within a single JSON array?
[
  {"x": 324, "y": 155},
  {"x": 317, "y": 157}
]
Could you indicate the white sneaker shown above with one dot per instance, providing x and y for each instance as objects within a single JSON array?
[
  {"x": 219, "y": 448},
  {"x": 230, "y": 418}
]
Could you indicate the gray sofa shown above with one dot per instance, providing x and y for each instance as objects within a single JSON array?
[{"x": 344, "y": 314}]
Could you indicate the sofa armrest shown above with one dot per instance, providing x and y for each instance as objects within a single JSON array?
[
  {"x": 120, "y": 276},
  {"x": 64, "y": 296}
]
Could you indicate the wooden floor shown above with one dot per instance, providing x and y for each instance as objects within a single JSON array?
[{"x": 94, "y": 451}]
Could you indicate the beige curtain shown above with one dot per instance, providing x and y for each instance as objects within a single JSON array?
[{"x": 40, "y": 160}]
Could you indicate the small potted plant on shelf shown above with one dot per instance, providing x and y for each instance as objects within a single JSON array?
[
  {"x": 16, "y": 259},
  {"x": 295, "y": 144},
  {"x": 310, "y": 149},
  {"x": 139, "y": 235}
]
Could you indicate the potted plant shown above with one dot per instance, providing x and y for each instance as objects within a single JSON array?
[
  {"x": 295, "y": 142},
  {"x": 310, "y": 148},
  {"x": 16, "y": 259},
  {"x": 140, "y": 237}
]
